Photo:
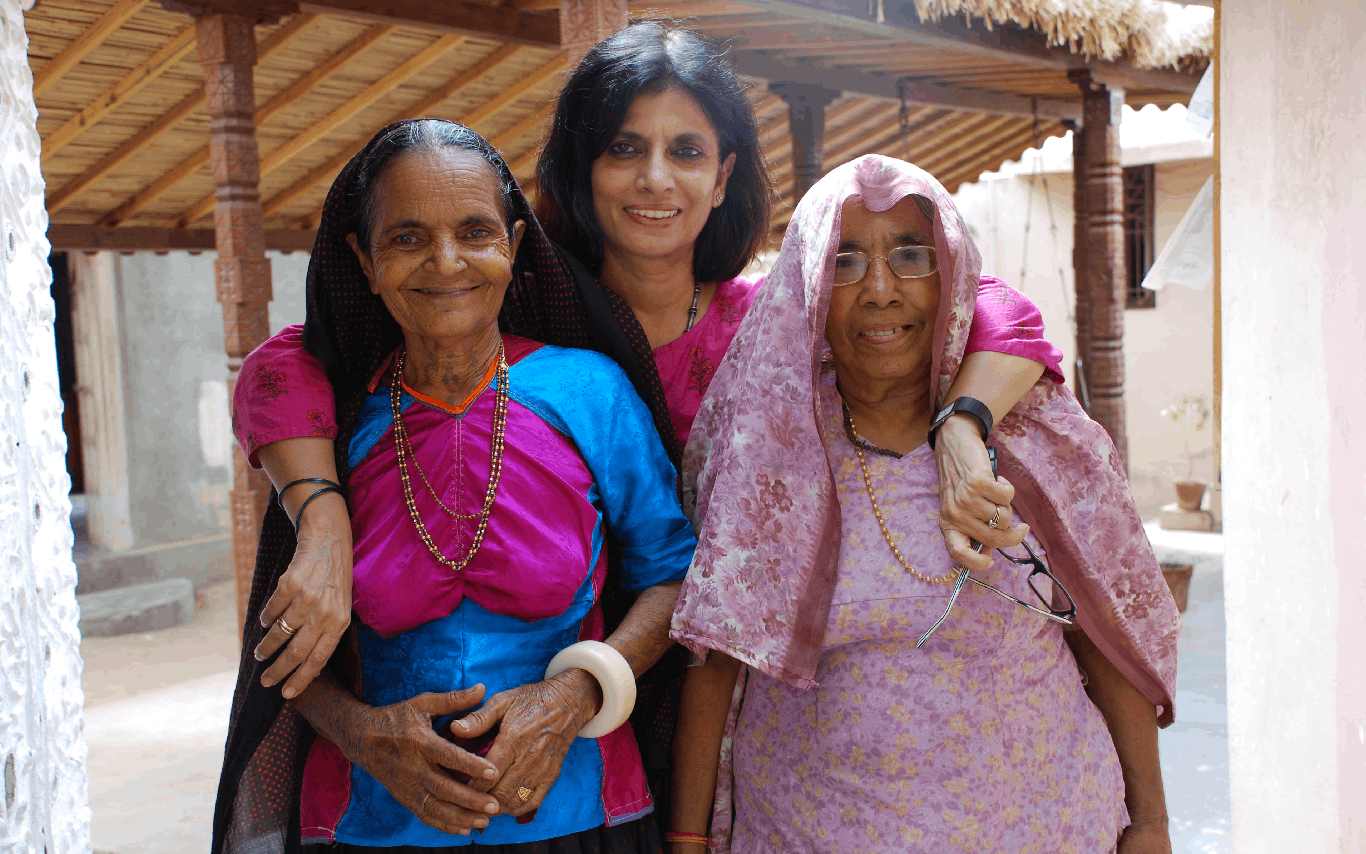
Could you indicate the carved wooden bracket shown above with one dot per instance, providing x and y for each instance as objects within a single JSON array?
[{"x": 259, "y": 11}]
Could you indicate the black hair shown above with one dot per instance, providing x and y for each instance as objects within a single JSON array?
[
  {"x": 421, "y": 135},
  {"x": 650, "y": 57}
]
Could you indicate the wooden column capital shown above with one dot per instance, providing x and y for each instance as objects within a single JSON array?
[
  {"x": 806, "y": 117},
  {"x": 584, "y": 23}
]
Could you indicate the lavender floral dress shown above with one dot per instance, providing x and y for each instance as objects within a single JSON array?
[{"x": 982, "y": 741}]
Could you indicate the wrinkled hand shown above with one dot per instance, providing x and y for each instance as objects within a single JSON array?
[
  {"x": 1145, "y": 838},
  {"x": 398, "y": 747},
  {"x": 314, "y": 597},
  {"x": 968, "y": 496},
  {"x": 537, "y": 724}
]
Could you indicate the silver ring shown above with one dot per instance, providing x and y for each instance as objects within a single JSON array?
[{"x": 995, "y": 518}]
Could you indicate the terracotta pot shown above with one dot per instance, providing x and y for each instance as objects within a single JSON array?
[
  {"x": 1178, "y": 576},
  {"x": 1190, "y": 494}
]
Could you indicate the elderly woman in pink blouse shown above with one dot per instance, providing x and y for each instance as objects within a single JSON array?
[{"x": 885, "y": 704}]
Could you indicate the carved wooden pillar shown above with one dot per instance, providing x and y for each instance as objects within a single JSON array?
[
  {"x": 584, "y": 23},
  {"x": 806, "y": 118},
  {"x": 1082, "y": 308},
  {"x": 1101, "y": 274},
  {"x": 227, "y": 52}
]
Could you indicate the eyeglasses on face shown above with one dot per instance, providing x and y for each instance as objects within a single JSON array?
[{"x": 906, "y": 262}]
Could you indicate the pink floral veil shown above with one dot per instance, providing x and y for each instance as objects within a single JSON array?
[{"x": 762, "y": 496}]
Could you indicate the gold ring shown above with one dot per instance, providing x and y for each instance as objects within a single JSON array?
[
  {"x": 524, "y": 794},
  {"x": 425, "y": 798},
  {"x": 995, "y": 518},
  {"x": 284, "y": 627}
]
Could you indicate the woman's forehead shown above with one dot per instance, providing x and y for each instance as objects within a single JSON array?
[
  {"x": 438, "y": 179},
  {"x": 906, "y": 217},
  {"x": 672, "y": 110}
]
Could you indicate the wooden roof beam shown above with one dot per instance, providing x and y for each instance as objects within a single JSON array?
[
  {"x": 462, "y": 17},
  {"x": 82, "y": 45},
  {"x": 329, "y": 170},
  {"x": 114, "y": 97},
  {"x": 1005, "y": 43},
  {"x": 166, "y": 121},
  {"x": 372, "y": 93},
  {"x": 91, "y": 238},
  {"x": 887, "y": 89}
]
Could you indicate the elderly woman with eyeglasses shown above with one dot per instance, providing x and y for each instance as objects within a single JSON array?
[{"x": 891, "y": 700}]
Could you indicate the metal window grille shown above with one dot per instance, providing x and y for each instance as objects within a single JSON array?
[{"x": 1139, "y": 239}]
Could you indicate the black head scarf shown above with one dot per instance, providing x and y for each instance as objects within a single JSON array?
[{"x": 553, "y": 299}]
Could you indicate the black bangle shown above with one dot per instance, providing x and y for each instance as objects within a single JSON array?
[
  {"x": 280, "y": 493},
  {"x": 968, "y": 406},
  {"x": 299, "y": 517}
]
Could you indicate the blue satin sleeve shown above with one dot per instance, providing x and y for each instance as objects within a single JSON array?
[{"x": 586, "y": 396}]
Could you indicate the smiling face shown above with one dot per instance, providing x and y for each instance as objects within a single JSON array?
[
  {"x": 439, "y": 254},
  {"x": 659, "y": 179},
  {"x": 881, "y": 329}
]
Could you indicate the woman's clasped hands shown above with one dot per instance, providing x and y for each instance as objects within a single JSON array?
[{"x": 535, "y": 726}]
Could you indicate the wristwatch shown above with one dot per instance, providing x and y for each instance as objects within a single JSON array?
[{"x": 968, "y": 406}]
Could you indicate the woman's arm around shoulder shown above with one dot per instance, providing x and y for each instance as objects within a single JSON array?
[
  {"x": 1006, "y": 355},
  {"x": 283, "y": 416}
]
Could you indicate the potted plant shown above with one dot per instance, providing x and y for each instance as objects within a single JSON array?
[{"x": 1190, "y": 493}]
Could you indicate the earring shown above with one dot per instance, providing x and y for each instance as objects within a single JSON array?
[{"x": 718, "y": 198}]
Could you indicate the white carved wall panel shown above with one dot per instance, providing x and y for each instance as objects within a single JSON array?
[{"x": 42, "y": 745}]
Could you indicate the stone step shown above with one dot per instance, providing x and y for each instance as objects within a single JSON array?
[{"x": 136, "y": 608}]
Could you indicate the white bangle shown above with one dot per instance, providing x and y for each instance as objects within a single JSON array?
[{"x": 614, "y": 676}]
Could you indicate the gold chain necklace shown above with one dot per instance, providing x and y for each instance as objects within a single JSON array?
[
  {"x": 877, "y": 511},
  {"x": 403, "y": 448}
]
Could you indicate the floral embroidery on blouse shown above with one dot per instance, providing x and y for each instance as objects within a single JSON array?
[
  {"x": 700, "y": 371},
  {"x": 1023, "y": 331},
  {"x": 320, "y": 423},
  {"x": 726, "y": 309},
  {"x": 270, "y": 383}
]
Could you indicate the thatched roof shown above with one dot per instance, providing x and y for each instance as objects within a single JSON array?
[{"x": 1150, "y": 33}]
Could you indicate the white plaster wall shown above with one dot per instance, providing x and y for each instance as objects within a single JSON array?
[
  {"x": 1168, "y": 350},
  {"x": 42, "y": 746},
  {"x": 1293, "y": 222},
  {"x": 179, "y": 443}
]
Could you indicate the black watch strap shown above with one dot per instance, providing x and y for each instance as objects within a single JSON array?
[{"x": 968, "y": 406}]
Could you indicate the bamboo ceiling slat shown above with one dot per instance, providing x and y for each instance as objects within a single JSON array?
[
  {"x": 851, "y": 112},
  {"x": 440, "y": 97},
  {"x": 984, "y": 134},
  {"x": 199, "y": 157},
  {"x": 83, "y": 44},
  {"x": 136, "y": 80},
  {"x": 334, "y": 119},
  {"x": 145, "y": 136},
  {"x": 328, "y": 170}
]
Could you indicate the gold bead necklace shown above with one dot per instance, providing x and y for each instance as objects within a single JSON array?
[
  {"x": 403, "y": 449},
  {"x": 877, "y": 511}
]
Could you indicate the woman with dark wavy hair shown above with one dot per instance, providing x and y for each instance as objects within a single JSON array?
[{"x": 653, "y": 183}]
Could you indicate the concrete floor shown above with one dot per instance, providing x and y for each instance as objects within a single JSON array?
[
  {"x": 1195, "y": 748},
  {"x": 157, "y": 712},
  {"x": 156, "y": 716}
]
